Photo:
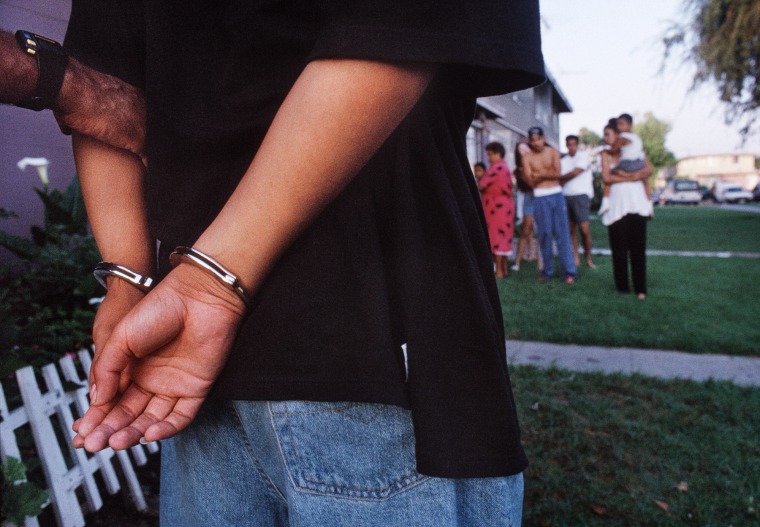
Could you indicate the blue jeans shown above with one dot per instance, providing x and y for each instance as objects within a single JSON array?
[
  {"x": 249, "y": 463},
  {"x": 551, "y": 222}
]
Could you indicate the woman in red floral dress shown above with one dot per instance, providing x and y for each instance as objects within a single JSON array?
[{"x": 499, "y": 206}]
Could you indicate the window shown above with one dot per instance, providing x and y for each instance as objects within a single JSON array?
[{"x": 543, "y": 99}]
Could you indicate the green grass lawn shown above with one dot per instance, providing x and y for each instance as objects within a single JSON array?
[
  {"x": 702, "y": 228},
  {"x": 604, "y": 450},
  {"x": 621, "y": 450},
  {"x": 699, "y": 305}
]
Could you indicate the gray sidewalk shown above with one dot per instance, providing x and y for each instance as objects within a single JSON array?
[
  {"x": 701, "y": 254},
  {"x": 744, "y": 371}
]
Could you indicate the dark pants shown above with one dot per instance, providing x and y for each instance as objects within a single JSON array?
[{"x": 628, "y": 236}]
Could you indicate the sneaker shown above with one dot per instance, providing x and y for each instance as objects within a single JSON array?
[
  {"x": 515, "y": 267},
  {"x": 569, "y": 280}
]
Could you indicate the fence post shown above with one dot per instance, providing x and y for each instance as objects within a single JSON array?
[
  {"x": 103, "y": 458},
  {"x": 65, "y": 419},
  {"x": 70, "y": 373},
  {"x": 9, "y": 422},
  {"x": 61, "y": 482}
]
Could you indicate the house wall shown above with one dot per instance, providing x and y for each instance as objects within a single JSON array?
[
  {"x": 24, "y": 133},
  {"x": 506, "y": 119},
  {"x": 709, "y": 169}
]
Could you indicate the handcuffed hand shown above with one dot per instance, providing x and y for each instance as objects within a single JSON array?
[
  {"x": 174, "y": 344},
  {"x": 119, "y": 301}
]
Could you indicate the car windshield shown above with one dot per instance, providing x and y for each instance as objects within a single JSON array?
[{"x": 686, "y": 185}]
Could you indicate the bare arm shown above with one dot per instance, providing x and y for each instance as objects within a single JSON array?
[
  {"x": 564, "y": 178},
  {"x": 180, "y": 335},
  {"x": 554, "y": 170},
  {"x": 318, "y": 115},
  {"x": 18, "y": 73},
  {"x": 620, "y": 142},
  {"x": 527, "y": 171},
  {"x": 95, "y": 104},
  {"x": 621, "y": 177},
  {"x": 112, "y": 187}
]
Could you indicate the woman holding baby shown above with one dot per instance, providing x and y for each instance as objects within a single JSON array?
[{"x": 626, "y": 216}]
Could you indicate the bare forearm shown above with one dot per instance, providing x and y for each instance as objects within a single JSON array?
[
  {"x": 564, "y": 178},
  {"x": 101, "y": 106},
  {"x": 621, "y": 177},
  {"x": 19, "y": 71},
  {"x": 90, "y": 102},
  {"x": 285, "y": 188},
  {"x": 113, "y": 190}
]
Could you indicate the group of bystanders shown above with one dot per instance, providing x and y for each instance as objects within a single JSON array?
[{"x": 556, "y": 193}]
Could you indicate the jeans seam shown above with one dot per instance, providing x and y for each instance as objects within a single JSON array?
[
  {"x": 269, "y": 483},
  {"x": 315, "y": 412},
  {"x": 283, "y": 459},
  {"x": 403, "y": 484},
  {"x": 338, "y": 409}
]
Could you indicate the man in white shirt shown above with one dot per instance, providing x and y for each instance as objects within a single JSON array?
[{"x": 578, "y": 187}]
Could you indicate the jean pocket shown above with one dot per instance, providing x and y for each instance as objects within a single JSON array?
[{"x": 354, "y": 450}]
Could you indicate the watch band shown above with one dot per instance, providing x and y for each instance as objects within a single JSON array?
[{"x": 52, "y": 61}]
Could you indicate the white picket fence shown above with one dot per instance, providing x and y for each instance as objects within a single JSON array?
[{"x": 63, "y": 479}]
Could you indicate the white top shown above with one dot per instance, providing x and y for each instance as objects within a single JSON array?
[
  {"x": 546, "y": 191},
  {"x": 633, "y": 150},
  {"x": 583, "y": 183},
  {"x": 627, "y": 198}
]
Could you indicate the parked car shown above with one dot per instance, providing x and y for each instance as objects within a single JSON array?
[
  {"x": 685, "y": 191},
  {"x": 732, "y": 193},
  {"x": 707, "y": 194},
  {"x": 756, "y": 192}
]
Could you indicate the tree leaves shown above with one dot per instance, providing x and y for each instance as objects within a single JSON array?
[
  {"x": 653, "y": 132},
  {"x": 722, "y": 40}
]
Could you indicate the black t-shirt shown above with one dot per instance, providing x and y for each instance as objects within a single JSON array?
[{"x": 389, "y": 295}]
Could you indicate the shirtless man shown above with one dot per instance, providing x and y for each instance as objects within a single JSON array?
[{"x": 542, "y": 171}]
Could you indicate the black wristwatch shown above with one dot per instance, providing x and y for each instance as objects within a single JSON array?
[{"x": 51, "y": 66}]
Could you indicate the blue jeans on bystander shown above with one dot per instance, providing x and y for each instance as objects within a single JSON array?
[{"x": 551, "y": 222}]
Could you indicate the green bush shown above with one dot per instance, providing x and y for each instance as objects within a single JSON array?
[
  {"x": 45, "y": 308},
  {"x": 21, "y": 498},
  {"x": 45, "y": 312}
]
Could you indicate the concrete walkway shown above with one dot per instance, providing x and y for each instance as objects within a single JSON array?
[
  {"x": 741, "y": 208},
  {"x": 744, "y": 371},
  {"x": 701, "y": 254}
]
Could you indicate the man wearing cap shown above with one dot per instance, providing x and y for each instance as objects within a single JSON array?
[
  {"x": 578, "y": 187},
  {"x": 542, "y": 171}
]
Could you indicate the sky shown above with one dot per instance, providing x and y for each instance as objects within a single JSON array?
[{"x": 606, "y": 56}]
